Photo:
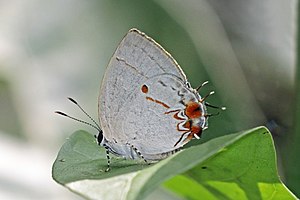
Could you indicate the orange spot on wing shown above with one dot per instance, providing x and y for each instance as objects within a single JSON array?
[
  {"x": 192, "y": 110},
  {"x": 157, "y": 101},
  {"x": 196, "y": 130},
  {"x": 187, "y": 125},
  {"x": 144, "y": 89}
]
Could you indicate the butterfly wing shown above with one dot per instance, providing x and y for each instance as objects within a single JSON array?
[
  {"x": 138, "y": 61},
  {"x": 152, "y": 122}
]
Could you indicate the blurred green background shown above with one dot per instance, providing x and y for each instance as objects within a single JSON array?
[{"x": 50, "y": 50}]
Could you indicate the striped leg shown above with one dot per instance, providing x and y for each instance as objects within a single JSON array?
[
  {"x": 139, "y": 153},
  {"x": 108, "y": 157}
]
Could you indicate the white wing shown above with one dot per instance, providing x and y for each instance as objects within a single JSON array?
[
  {"x": 151, "y": 123},
  {"x": 121, "y": 103}
]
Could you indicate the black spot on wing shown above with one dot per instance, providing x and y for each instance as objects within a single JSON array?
[{"x": 162, "y": 83}]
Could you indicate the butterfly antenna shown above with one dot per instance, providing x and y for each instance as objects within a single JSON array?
[
  {"x": 200, "y": 86},
  {"x": 212, "y": 114},
  {"x": 212, "y": 106},
  {"x": 205, "y": 97},
  {"x": 75, "y": 102},
  {"x": 78, "y": 120}
]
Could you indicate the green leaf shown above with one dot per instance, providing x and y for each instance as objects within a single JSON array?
[
  {"x": 244, "y": 169},
  {"x": 235, "y": 166}
]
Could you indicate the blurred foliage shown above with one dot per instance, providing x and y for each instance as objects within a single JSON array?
[
  {"x": 9, "y": 119},
  {"x": 292, "y": 150}
]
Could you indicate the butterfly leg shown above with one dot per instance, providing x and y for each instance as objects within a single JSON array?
[
  {"x": 108, "y": 157},
  {"x": 139, "y": 153}
]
